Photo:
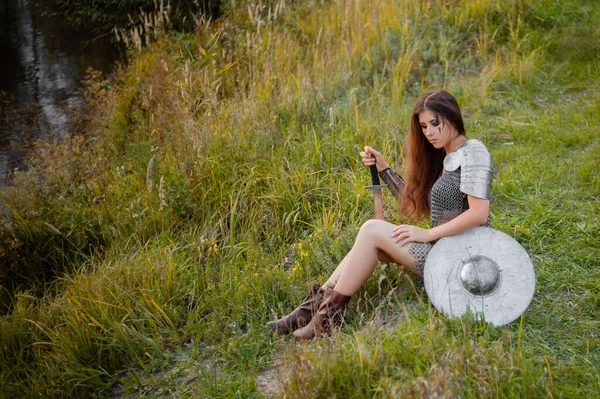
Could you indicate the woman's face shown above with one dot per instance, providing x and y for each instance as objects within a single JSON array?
[{"x": 437, "y": 131}]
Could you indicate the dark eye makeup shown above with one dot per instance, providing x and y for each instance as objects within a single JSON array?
[{"x": 434, "y": 123}]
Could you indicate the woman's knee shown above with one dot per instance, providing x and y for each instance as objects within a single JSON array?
[
  {"x": 372, "y": 224},
  {"x": 373, "y": 228}
]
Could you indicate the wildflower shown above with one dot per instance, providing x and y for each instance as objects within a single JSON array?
[
  {"x": 98, "y": 199},
  {"x": 295, "y": 270},
  {"x": 331, "y": 118},
  {"x": 149, "y": 172},
  {"x": 54, "y": 229},
  {"x": 161, "y": 193}
]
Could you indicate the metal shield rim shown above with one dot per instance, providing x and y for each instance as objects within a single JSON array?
[{"x": 449, "y": 297}]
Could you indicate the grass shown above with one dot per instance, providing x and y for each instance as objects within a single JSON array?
[{"x": 248, "y": 132}]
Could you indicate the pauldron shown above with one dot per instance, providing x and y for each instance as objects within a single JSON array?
[
  {"x": 476, "y": 170},
  {"x": 393, "y": 181}
]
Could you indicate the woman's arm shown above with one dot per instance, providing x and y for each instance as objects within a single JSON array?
[
  {"x": 393, "y": 181},
  {"x": 389, "y": 176},
  {"x": 476, "y": 215}
]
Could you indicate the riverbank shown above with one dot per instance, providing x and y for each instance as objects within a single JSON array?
[
  {"x": 43, "y": 63},
  {"x": 220, "y": 177}
]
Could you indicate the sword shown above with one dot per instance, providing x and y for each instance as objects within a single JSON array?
[{"x": 376, "y": 188}]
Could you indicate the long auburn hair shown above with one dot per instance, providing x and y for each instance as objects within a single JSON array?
[{"x": 424, "y": 163}]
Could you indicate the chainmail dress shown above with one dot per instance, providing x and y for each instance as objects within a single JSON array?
[{"x": 466, "y": 172}]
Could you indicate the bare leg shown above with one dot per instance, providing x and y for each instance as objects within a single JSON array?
[
  {"x": 335, "y": 276},
  {"x": 373, "y": 243},
  {"x": 333, "y": 279}
]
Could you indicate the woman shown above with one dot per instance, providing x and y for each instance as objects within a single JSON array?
[{"x": 448, "y": 177}]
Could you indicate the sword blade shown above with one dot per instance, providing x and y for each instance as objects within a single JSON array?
[
  {"x": 378, "y": 203},
  {"x": 377, "y": 198}
]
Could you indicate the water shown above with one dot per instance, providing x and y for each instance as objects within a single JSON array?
[{"x": 42, "y": 63}]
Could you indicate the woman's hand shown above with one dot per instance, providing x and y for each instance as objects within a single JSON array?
[
  {"x": 405, "y": 234},
  {"x": 368, "y": 160}
]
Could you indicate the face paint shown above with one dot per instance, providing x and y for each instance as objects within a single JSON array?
[{"x": 436, "y": 122}]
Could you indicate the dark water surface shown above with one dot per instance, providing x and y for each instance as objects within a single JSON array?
[{"x": 42, "y": 63}]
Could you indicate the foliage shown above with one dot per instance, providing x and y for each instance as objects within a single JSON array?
[
  {"x": 103, "y": 16},
  {"x": 219, "y": 177}
]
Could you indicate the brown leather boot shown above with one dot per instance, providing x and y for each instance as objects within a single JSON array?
[
  {"x": 300, "y": 316},
  {"x": 330, "y": 311}
]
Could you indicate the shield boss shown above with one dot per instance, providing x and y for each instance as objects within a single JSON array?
[{"x": 481, "y": 269}]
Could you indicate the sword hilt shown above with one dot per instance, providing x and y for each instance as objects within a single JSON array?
[
  {"x": 376, "y": 187},
  {"x": 374, "y": 175},
  {"x": 376, "y": 184}
]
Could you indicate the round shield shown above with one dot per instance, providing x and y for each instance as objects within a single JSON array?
[{"x": 483, "y": 270}]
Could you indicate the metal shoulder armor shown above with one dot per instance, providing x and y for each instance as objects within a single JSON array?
[{"x": 476, "y": 170}]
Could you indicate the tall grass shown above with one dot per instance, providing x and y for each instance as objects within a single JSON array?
[{"x": 219, "y": 178}]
